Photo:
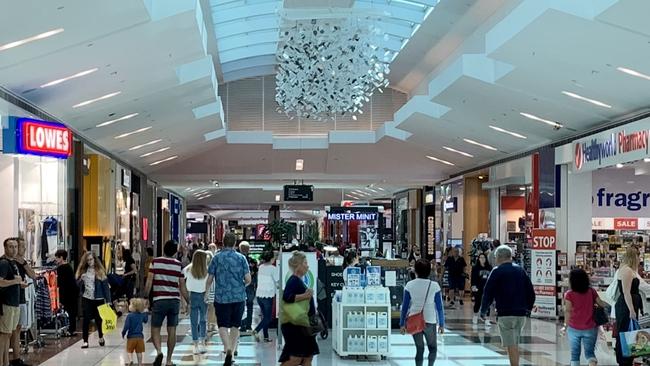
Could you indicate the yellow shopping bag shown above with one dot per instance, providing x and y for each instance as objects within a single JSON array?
[{"x": 109, "y": 318}]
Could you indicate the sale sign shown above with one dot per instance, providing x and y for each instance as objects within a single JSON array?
[
  {"x": 543, "y": 272},
  {"x": 34, "y": 137}
]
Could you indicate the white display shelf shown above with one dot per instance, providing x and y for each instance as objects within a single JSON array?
[{"x": 340, "y": 333}]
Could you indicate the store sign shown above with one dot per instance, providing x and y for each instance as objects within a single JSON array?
[
  {"x": 617, "y": 145},
  {"x": 353, "y": 213},
  {"x": 620, "y": 223},
  {"x": 543, "y": 272},
  {"x": 431, "y": 239},
  {"x": 451, "y": 205},
  {"x": 626, "y": 223},
  {"x": 34, "y": 137},
  {"x": 620, "y": 193}
]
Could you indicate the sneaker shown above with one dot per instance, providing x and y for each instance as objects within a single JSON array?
[
  {"x": 488, "y": 323},
  {"x": 102, "y": 342},
  {"x": 267, "y": 340},
  {"x": 158, "y": 361},
  {"x": 196, "y": 349},
  {"x": 462, "y": 303},
  {"x": 451, "y": 303},
  {"x": 256, "y": 336},
  {"x": 228, "y": 360},
  {"x": 202, "y": 348},
  {"x": 84, "y": 345},
  {"x": 475, "y": 320}
]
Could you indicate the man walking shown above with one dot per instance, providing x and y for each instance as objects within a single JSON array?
[
  {"x": 244, "y": 249},
  {"x": 10, "y": 283},
  {"x": 164, "y": 279},
  {"x": 231, "y": 274},
  {"x": 510, "y": 286},
  {"x": 25, "y": 271},
  {"x": 455, "y": 265}
]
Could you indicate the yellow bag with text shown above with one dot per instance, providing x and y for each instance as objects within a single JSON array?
[{"x": 109, "y": 318}]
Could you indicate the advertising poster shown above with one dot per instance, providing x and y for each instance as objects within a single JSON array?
[
  {"x": 543, "y": 273},
  {"x": 368, "y": 238}
]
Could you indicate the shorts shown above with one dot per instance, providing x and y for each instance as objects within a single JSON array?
[
  {"x": 9, "y": 319},
  {"x": 457, "y": 283},
  {"x": 167, "y": 308},
  {"x": 135, "y": 345},
  {"x": 229, "y": 315},
  {"x": 510, "y": 328}
]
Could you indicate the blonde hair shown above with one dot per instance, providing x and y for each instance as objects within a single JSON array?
[
  {"x": 631, "y": 258},
  {"x": 199, "y": 265},
  {"x": 100, "y": 272},
  {"x": 137, "y": 305},
  {"x": 297, "y": 258}
]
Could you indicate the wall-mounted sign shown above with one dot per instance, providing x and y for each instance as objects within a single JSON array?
[
  {"x": 34, "y": 137},
  {"x": 451, "y": 205},
  {"x": 543, "y": 259},
  {"x": 617, "y": 145},
  {"x": 619, "y": 193},
  {"x": 353, "y": 214},
  {"x": 126, "y": 178}
]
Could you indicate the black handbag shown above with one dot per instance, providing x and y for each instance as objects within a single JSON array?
[
  {"x": 601, "y": 315},
  {"x": 316, "y": 325}
]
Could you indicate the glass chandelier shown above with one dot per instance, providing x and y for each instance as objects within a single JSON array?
[{"x": 329, "y": 67}]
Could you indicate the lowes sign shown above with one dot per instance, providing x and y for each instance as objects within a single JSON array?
[{"x": 618, "y": 145}]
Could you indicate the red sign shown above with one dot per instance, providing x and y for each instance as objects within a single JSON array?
[
  {"x": 626, "y": 224},
  {"x": 45, "y": 138},
  {"x": 145, "y": 229},
  {"x": 544, "y": 239},
  {"x": 544, "y": 290}
]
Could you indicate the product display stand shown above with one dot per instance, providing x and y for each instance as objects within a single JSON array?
[{"x": 361, "y": 322}]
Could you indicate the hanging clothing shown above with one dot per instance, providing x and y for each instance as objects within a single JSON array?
[
  {"x": 49, "y": 237},
  {"x": 43, "y": 306},
  {"x": 53, "y": 288}
]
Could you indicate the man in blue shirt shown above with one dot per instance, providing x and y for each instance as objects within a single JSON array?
[
  {"x": 231, "y": 274},
  {"x": 510, "y": 286}
]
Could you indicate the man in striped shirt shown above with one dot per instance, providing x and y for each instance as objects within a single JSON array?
[{"x": 166, "y": 285}]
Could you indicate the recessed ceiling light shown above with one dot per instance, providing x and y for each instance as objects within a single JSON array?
[
  {"x": 480, "y": 144},
  {"x": 585, "y": 99},
  {"x": 508, "y": 132},
  {"x": 164, "y": 160},
  {"x": 633, "y": 73},
  {"x": 540, "y": 119},
  {"x": 619, "y": 165},
  {"x": 30, "y": 39},
  {"x": 277, "y": 198},
  {"x": 91, "y": 101},
  {"x": 440, "y": 160},
  {"x": 145, "y": 144},
  {"x": 155, "y": 152},
  {"x": 300, "y": 164},
  {"x": 62, "y": 80},
  {"x": 480, "y": 177},
  {"x": 117, "y": 120},
  {"x": 458, "y": 152},
  {"x": 133, "y": 132}
]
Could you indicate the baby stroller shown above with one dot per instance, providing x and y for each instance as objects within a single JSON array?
[
  {"x": 118, "y": 293},
  {"x": 325, "y": 333}
]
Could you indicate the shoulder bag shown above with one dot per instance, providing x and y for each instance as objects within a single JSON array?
[{"x": 415, "y": 323}]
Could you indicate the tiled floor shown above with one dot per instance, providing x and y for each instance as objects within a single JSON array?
[{"x": 462, "y": 345}]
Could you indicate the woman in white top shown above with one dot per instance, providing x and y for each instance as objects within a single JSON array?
[
  {"x": 267, "y": 283},
  {"x": 196, "y": 276},
  {"x": 423, "y": 295}
]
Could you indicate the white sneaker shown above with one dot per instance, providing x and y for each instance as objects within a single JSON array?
[
  {"x": 202, "y": 348},
  {"x": 196, "y": 349},
  {"x": 475, "y": 319},
  {"x": 488, "y": 323}
]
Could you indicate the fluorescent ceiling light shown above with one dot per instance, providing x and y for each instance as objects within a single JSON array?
[
  {"x": 300, "y": 164},
  {"x": 508, "y": 132},
  {"x": 145, "y": 144},
  {"x": 133, "y": 132},
  {"x": 30, "y": 39},
  {"x": 458, "y": 152},
  {"x": 155, "y": 152},
  {"x": 633, "y": 73},
  {"x": 585, "y": 99},
  {"x": 91, "y": 101},
  {"x": 440, "y": 160},
  {"x": 204, "y": 197},
  {"x": 62, "y": 80},
  {"x": 480, "y": 144},
  {"x": 164, "y": 160},
  {"x": 540, "y": 119},
  {"x": 117, "y": 120}
]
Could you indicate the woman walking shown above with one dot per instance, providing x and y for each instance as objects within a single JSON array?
[
  {"x": 93, "y": 285},
  {"x": 422, "y": 295},
  {"x": 579, "y": 316},
  {"x": 196, "y": 276},
  {"x": 629, "y": 302},
  {"x": 267, "y": 278},
  {"x": 480, "y": 273},
  {"x": 299, "y": 347}
]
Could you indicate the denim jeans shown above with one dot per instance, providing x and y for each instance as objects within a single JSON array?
[
  {"x": 266, "y": 305},
  {"x": 430, "y": 335},
  {"x": 247, "y": 323},
  {"x": 586, "y": 338},
  {"x": 198, "y": 314}
]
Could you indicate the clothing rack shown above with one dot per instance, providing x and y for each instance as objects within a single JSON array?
[{"x": 48, "y": 309}]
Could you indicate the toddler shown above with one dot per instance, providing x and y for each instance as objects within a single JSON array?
[{"x": 133, "y": 329}]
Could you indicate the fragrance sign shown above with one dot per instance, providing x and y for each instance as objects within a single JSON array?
[
  {"x": 543, "y": 272},
  {"x": 34, "y": 137}
]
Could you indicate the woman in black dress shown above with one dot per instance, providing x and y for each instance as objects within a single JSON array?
[
  {"x": 299, "y": 346},
  {"x": 629, "y": 302}
]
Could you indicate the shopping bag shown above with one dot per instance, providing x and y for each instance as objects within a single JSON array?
[
  {"x": 109, "y": 318},
  {"x": 635, "y": 342},
  {"x": 296, "y": 313}
]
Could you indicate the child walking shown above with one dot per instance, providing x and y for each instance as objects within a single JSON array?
[{"x": 133, "y": 329}]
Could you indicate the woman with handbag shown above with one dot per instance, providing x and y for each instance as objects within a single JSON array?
[
  {"x": 299, "y": 344},
  {"x": 580, "y": 315},
  {"x": 422, "y": 310},
  {"x": 629, "y": 303},
  {"x": 93, "y": 286}
]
